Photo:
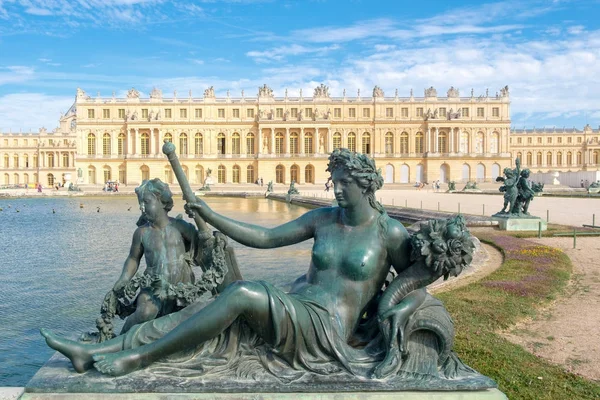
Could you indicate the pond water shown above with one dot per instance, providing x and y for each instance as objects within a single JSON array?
[{"x": 59, "y": 259}]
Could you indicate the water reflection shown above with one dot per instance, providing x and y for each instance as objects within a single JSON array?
[{"x": 57, "y": 267}]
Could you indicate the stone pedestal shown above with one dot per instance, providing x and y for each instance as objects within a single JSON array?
[
  {"x": 519, "y": 223},
  {"x": 57, "y": 380}
]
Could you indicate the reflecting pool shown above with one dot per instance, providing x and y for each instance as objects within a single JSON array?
[{"x": 60, "y": 256}]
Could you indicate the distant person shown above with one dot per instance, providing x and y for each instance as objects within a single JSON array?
[
  {"x": 582, "y": 183},
  {"x": 39, "y": 187},
  {"x": 587, "y": 184},
  {"x": 261, "y": 181}
]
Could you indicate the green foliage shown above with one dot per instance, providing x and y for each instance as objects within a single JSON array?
[{"x": 530, "y": 277}]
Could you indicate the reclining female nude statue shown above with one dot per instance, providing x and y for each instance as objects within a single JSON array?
[{"x": 336, "y": 319}]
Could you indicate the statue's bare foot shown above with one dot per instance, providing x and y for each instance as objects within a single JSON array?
[
  {"x": 117, "y": 364},
  {"x": 79, "y": 354},
  {"x": 390, "y": 365}
]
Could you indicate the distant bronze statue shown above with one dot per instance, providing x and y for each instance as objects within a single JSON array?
[
  {"x": 526, "y": 193},
  {"x": 338, "y": 318},
  {"x": 510, "y": 188},
  {"x": 292, "y": 190}
]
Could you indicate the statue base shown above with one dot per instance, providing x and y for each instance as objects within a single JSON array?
[
  {"x": 509, "y": 222},
  {"x": 58, "y": 380}
]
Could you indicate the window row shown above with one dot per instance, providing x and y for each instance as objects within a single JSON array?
[{"x": 557, "y": 159}]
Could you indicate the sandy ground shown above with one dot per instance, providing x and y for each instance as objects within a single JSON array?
[{"x": 568, "y": 331}]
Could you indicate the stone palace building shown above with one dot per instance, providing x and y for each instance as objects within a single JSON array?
[{"x": 242, "y": 139}]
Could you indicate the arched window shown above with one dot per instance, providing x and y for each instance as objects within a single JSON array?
[
  {"x": 279, "y": 143},
  {"x": 6, "y": 179},
  {"x": 221, "y": 143},
  {"x": 419, "y": 143},
  {"x": 26, "y": 160},
  {"x": 337, "y": 140},
  {"x": 250, "y": 145},
  {"x": 145, "y": 142},
  {"x": 221, "y": 174},
  {"x": 183, "y": 144},
  {"x": 235, "y": 144},
  {"x": 168, "y": 137},
  {"x": 16, "y": 160},
  {"x": 250, "y": 174},
  {"x": 559, "y": 157},
  {"x": 294, "y": 173},
  {"x": 6, "y": 161},
  {"x": 50, "y": 160},
  {"x": 309, "y": 174},
  {"x": 106, "y": 144},
  {"x": 529, "y": 159},
  {"x": 548, "y": 158},
  {"x": 198, "y": 145},
  {"x": 121, "y": 144},
  {"x": 595, "y": 157},
  {"x": 279, "y": 174},
  {"x": 16, "y": 179},
  {"x": 480, "y": 172},
  {"x": 199, "y": 173},
  {"x": 35, "y": 161},
  {"x": 479, "y": 143},
  {"x": 352, "y": 141},
  {"x": 168, "y": 174},
  {"x": 464, "y": 142},
  {"x": 579, "y": 158},
  {"x": 235, "y": 174},
  {"x": 91, "y": 144},
  {"x": 520, "y": 156},
  {"x": 308, "y": 143},
  {"x": 294, "y": 143},
  {"x": 107, "y": 174},
  {"x": 569, "y": 158},
  {"x": 495, "y": 143},
  {"x": 65, "y": 160},
  {"x": 366, "y": 143},
  {"x": 466, "y": 173},
  {"x": 404, "y": 143},
  {"x": 538, "y": 158},
  {"x": 442, "y": 142},
  {"x": 26, "y": 179},
  {"x": 122, "y": 173},
  {"x": 92, "y": 175},
  {"x": 389, "y": 143},
  {"x": 50, "y": 180}
]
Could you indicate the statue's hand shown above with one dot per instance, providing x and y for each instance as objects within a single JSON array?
[
  {"x": 398, "y": 319},
  {"x": 198, "y": 206},
  {"x": 120, "y": 285}
]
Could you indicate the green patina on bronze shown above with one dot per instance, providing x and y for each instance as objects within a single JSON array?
[
  {"x": 360, "y": 312},
  {"x": 518, "y": 192}
]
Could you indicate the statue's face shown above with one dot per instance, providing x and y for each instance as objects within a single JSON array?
[
  {"x": 345, "y": 188},
  {"x": 150, "y": 206}
]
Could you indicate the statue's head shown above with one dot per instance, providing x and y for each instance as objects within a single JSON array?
[
  {"x": 508, "y": 172},
  {"x": 159, "y": 189},
  {"x": 525, "y": 173},
  {"x": 358, "y": 166}
]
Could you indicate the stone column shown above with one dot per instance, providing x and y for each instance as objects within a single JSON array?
[
  {"x": 301, "y": 141},
  {"x": 451, "y": 141},
  {"x": 138, "y": 146},
  {"x": 427, "y": 141},
  {"x": 329, "y": 143},
  {"x": 273, "y": 141},
  {"x": 437, "y": 141}
]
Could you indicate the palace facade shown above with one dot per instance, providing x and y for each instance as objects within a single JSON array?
[{"x": 242, "y": 139}]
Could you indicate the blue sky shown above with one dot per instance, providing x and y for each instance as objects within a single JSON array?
[{"x": 548, "y": 52}]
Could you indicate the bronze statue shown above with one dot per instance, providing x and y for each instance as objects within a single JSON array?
[
  {"x": 526, "y": 193},
  {"x": 331, "y": 320}
]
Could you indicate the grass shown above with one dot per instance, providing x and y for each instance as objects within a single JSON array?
[{"x": 532, "y": 275}]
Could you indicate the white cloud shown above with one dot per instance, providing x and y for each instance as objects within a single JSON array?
[
  {"x": 384, "y": 47},
  {"x": 576, "y": 30},
  {"x": 31, "y": 111},
  {"x": 279, "y": 53},
  {"x": 16, "y": 74}
]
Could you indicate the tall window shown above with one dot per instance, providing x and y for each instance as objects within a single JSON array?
[
  {"x": 529, "y": 159},
  {"x": 26, "y": 160},
  {"x": 308, "y": 112},
  {"x": 198, "y": 145},
  {"x": 366, "y": 112},
  {"x": 294, "y": 173},
  {"x": 168, "y": 113},
  {"x": 16, "y": 160},
  {"x": 145, "y": 113},
  {"x": 250, "y": 145},
  {"x": 442, "y": 142},
  {"x": 235, "y": 144},
  {"x": 221, "y": 143},
  {"x": 199, "y": 174},
  {"x": 352, "y": 141},
  {"x": 549, "y": 158},
  {"x": 366, "y": 143},
  {"x": 65, "y": 160},
  {"x": 183, "y": 113},
  {"x": 465, "y": 112},
  {"x": 579, "y": 158},
  {"x": 337, "y": 113},
  {"x": 221, "y": 112},
  {"x": 495, "y": 112},
  {"x": 250, "y": 113},
  {"x": 107, "y": 176},
  {"x": 183, "y": 143},
  {"x": 250, "y": 174},
  {"x": 235, "y": 174},
  {"x": 51, "y": 160},
  {"x": 121, "y": 144},
  {"x": 569, "y": 158},
  {"x": 480, "y": 112},
  {"x": 479, "y": 143},
  {"x": 464, "y": 143},
  {"x": 404, "y": 143},
  {"x": 443, "y": 112},
  {"x": 36, "y": 162},
  {"x": 236, "y": 113},
  {"x": 419, "y": 111},
  {"x": 279, "y": 174},
  {"x": 221, "y": 174},
  {"x": 596, "y": 157},
  {"x": 121, "y": 113},
  {"x": 293, "y": 143},
  {"x": 91, "y": 144},
  {"x": 309, "y": 174},
  {"x": 90, "y": 113},
  {"x": 105, "y": 113},
  {"x": 106, "y": 144},
  {"x": 559, "y": 158},
  {"x": 494, "y": 143},
  {"x": 308, "y": 143},
  {"x": 337, "y": 140},
  {"x": 404, "y": 112},
  {"x": 419, "y": 143},
  {"x": 294, "y": 112},
  {"x": 198, "y": 113},
  {"x": 168, "y": 138},
  {"x": 279, "y": 143},
  {"x": 389, "y": 143},
  {"x": 538, "y": 158},
  {"x": 145, "y": 143},
  {"x": 352, "y": 112},
  {"x": 6, "y": 161},
  {"x": 389, "y": 112},
  {"x": 279, "y": 112}
]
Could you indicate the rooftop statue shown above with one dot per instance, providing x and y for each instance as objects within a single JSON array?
[
  {"x": 209, "y": 92},
  {"x": 156, "y": 94},
  {"x": 431, "y": 92},
  {"x": 321, "y": 91},
  {"x": 338, "y": 321},
  {"x": 453, "y": 93},
  {"x": 133, "y": 94},
  {"x": 265, "y": 91},
  {"x": 377, "y": 92}
]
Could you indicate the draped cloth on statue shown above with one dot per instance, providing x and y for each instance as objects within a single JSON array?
[{"x": 305, "y": 341}]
